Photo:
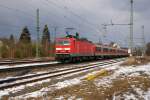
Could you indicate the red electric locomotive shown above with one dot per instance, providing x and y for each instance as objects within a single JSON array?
[{"x": 71, "y": 48}]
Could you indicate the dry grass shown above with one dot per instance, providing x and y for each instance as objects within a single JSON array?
[
  {"x": 147, "y": 58},
  {"x": 136, "y": 61}
]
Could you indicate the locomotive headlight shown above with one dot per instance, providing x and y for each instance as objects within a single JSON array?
[
  {"x": 58, "y": 48},
  {"x": 66, "y": 48}
]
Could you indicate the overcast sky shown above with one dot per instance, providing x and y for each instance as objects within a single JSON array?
[{"x": 85, "y": 16}]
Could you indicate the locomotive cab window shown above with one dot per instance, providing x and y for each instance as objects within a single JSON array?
[
  {"x": 66, "y": 42},
  {"x": 63, "y": 42}
]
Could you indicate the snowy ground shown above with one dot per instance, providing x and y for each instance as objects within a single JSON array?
[{"x": 122, "y": 82}]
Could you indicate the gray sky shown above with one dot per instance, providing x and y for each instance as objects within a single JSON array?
[{"x": 86, "y": 16}]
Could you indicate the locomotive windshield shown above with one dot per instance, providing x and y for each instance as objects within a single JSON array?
[{"x": 63, "y": 42}]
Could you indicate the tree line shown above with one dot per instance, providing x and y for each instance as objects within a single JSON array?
[{"x": 24, "y": 47}]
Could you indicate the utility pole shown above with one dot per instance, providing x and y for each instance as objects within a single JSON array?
[
  {"x": 143, "y": 41},
  {"x": 100, "y": 40},
  {"x": 105, "y": 27},
  {"x": 105, "y": 30},
  {"x": 55, "y": 33},
  {"x": 38, "y": 31},
  {"x": 131, "y": 30}
]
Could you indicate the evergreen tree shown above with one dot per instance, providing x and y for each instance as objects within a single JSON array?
[
  {"x": 25, "y": 36},
  {"x": 25, "y": 43},
  {"x": 46, "y": 41},
  {"x": 46, "y": 35},
  {"x": 11, "y": 39}
]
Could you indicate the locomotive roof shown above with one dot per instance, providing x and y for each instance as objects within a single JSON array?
[{"x": 80, "y": 39}]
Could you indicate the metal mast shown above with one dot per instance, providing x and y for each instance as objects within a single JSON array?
[
  {"x": 143, "y": 41},
  {"x": 55, "y": 33},
  {"x": 38, "y": 38},
  {"x": 131, "y": 30}
]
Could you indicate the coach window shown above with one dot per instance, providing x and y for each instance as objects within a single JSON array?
[
  {"x": 111, "y": 50},
  {"x": 114, "y": 50},
  {"x": 105, "y": 50},
  {"x": 98, "y": 48}
]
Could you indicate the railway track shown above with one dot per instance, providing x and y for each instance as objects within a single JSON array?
[
  {"x": 23, "y": 61},
  {"x": 29, "y": 66},
  {"x": 16, "y": 81},
  {"x": 26, "y": 66}
]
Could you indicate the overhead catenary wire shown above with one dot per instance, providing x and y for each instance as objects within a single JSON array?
[
  {"x": 18, "y": 10},
  {"x": 76, "y": 15},
  {"x": 69, "y": 19},
  {"x": 27, "y": 14},
  {"x": 50, "y": 13},
  {"x": 82, "y": 7}
]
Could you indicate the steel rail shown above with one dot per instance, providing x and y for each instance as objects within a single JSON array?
[
  {"x": 12, "y": 62},
  {"x": 11, "y": 68}
]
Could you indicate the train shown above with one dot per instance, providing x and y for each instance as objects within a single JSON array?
[{"x": 72, "y": 49}]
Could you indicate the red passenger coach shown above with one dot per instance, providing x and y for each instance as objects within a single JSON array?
[{"x": 102, "y": 51}]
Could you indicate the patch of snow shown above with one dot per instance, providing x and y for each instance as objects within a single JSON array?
[
  {"x": 19, "y": 88},
  {"x": 138, "y": 69},
  {"x": 123, "y": 72},
  {"x": 105, "y": 82},
  {"x": 14, "y": 89},
  {"x": 68, "y": 98},
  {"x": 39, "y": 82},
  {"x": 26, "y": 65},
  {"x": 67, "y": 83},
  {"x": 3, "y": 93},
  {"x": 30, "y": 95},
  {"x": 134, "y": 74},
  {"x": 147, "y": 95},
  {"x": 129, "y": 96},
  {"x": 59, "y": 98},
  {"x": 43, "y": 92},
  {"x": 138, "y": 95}
]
